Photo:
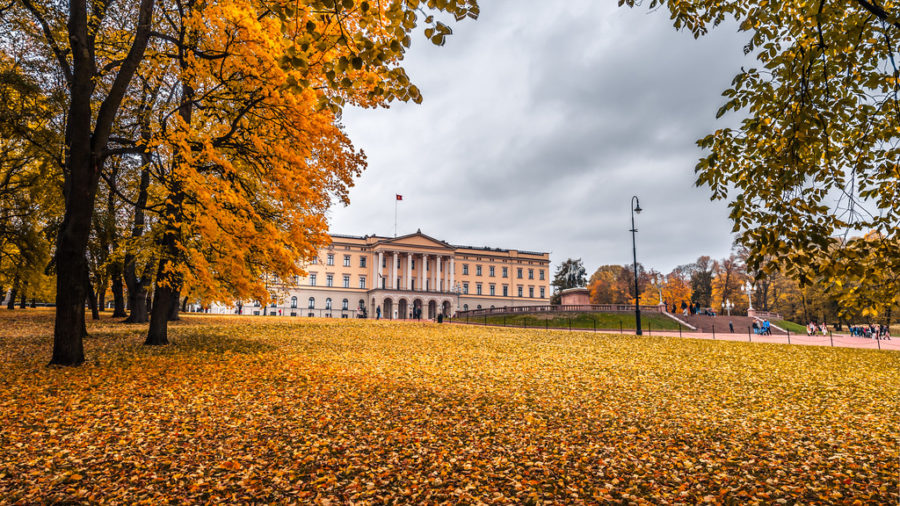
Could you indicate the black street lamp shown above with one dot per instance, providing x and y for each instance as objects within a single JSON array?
[{"x": 636, "y": 208}]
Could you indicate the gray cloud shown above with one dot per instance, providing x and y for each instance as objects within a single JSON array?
[{"x": 539, "y": 124}]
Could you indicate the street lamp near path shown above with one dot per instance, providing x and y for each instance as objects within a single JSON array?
[
  {"x": 728, "y": 306},
  {"x": 636, "y": 208}
]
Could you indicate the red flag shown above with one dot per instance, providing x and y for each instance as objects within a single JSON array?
[{"x": 399, "y": 197}]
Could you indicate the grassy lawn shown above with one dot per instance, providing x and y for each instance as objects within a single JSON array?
[
  {"x": 319, "y": 410},
  {"x": 793, "y": 328},
  {"x": 608, "y": 321}
]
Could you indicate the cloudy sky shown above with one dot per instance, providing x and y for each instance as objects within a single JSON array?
[{"x": 539, "y": 124}]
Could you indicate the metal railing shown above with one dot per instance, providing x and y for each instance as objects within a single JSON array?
[{"x": 567, "y": 308}]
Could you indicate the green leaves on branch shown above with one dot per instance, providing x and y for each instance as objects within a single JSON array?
[{"x": 812, "y": 171}]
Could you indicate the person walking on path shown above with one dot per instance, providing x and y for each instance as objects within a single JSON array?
[{"x": 731, "y": 327}]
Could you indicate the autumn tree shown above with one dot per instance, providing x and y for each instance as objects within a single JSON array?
[
  {"x": 95, "y": 49},
  {"x": 606, "y": 285},
  {"x": 30, "y": 182},
  {"x": 677, "y": 287},
  {"x": 728, "y": 277},
  {"x": 813, "y": 166},
  {"x": 701, "y": 280}
]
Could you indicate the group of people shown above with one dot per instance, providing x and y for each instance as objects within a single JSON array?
[
  {"x": 692, "y": 309},
  {"x": 812, "y": 328},
  {"x": 763, "y": 329},
  {"x": 871, "y": 331}
]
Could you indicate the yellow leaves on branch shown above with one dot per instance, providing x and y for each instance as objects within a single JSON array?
[{"x": 244, "y": 409}]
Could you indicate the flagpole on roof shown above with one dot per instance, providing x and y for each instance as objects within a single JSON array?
[{"x": 397, "y": 198}]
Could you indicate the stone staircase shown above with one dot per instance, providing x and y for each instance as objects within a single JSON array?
[{"x": 705, "y": 324}]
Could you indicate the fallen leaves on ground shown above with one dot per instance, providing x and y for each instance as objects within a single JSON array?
[{"x": 317, "y": 410}]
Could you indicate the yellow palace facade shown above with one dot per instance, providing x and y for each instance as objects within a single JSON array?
[{"x": 401, "y": 277}]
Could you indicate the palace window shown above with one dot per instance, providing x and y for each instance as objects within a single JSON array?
[
  {"x": 346, "y": 281},
  {"x": 530, "y": 273},
  {"x": 315, "y": 260},
  {"x": 519, "y": 272},
  {"x": 312, "y": 279},
  {"x": 328, "y": 303},
  {"x": 491, "y": 271},
  {"x": 362, "y": 281},
  {"x": 541, "y": 273},
  {"x": 329, "y": 280},
  {"x": 506, "y": 272},
  {"x": 543, "y": 295},
  {"x": 346, "y": 260},
  {"x": 465, "y": 307},
  {"x": 412, "y": 263},
  {"x": 293, "y": 302},
  {"x": 492, "y": 289},
  {"x": 312, "y": 303},
  {"x": 465, "y": 269},
  {"x": 505, "y": 291},
  {"x": 531, "y": 292},
  {"x": 331, "y": 259},
  {"x": 383, "y": 262},
  {"x": 465, "y": 288},
  {"x": 520, "y": 291},
  {"x": 478, "y": 270},
  {"x": 362, "y": 261},
  {"x": 345, "y": 304},
  {"x": 478, "y": 288}
]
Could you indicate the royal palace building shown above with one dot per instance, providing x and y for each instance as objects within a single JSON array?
[{"x": 400, "y": 277}]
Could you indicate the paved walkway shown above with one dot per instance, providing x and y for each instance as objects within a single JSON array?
[{"x": 835, "y": 340}]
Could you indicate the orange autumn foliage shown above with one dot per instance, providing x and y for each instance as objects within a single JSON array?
[{"x": 254, "y": 154}]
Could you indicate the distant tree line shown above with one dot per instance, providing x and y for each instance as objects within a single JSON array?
[{"x": 709, "y": 283}]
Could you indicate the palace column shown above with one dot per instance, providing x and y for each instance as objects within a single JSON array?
[
  {"x": 437, "y": 277},
  {"x": 422, "y": 272},
  {"x": 393, "y": 270},
  {"x": 408, "y": 270},
  {"x": 452, "y": 272},
  {"x": 377, "y": 281}
]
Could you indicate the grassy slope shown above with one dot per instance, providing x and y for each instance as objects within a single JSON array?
[
  {"x": 793, "y": 328},
  {"x": 607, "y": 321}
]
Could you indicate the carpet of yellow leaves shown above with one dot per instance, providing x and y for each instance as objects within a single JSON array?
[{"x": 305, "y": 410}]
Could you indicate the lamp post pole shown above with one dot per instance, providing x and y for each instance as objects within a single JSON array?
[
  {"x": 728, "y": 306},
  {"x": 636, "y": 208},
  {"x": 659, "y": 285}
]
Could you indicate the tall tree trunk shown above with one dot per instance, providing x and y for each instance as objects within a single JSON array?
[
  {"x": 85, "y": 141},
  {"x": 137, "y": 287},
  {"x": 173, "y": 312},
  {"x": 117, "y": 290},
  {"x": 91, "y": 296},
  {"x": 163, "y": 299},
  {"x": 11, "y": 304},
  {"x": 168, "y": 279},
  {"x": 101, "y": 294}
]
